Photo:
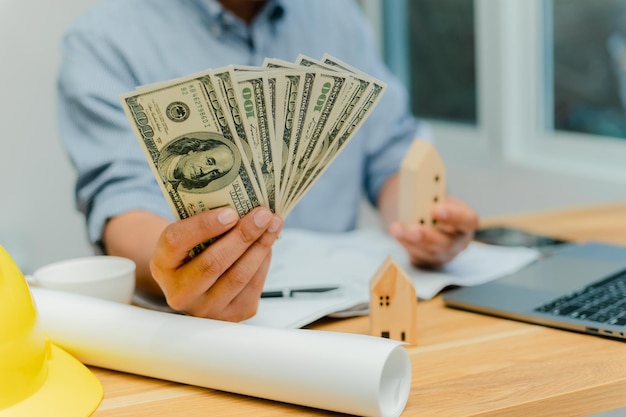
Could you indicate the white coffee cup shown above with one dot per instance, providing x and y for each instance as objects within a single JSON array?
[{"x": 107, "y": 277}]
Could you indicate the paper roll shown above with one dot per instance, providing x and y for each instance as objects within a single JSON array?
[{"x": 347, "y": 373}]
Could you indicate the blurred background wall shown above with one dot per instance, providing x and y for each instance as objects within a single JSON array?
[{"x": 38, "y": 222}]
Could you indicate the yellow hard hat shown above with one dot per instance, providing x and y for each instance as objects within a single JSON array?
[{"x": 37, "y": 378}]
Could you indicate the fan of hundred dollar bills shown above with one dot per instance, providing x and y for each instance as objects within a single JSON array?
[{"x": 245, "y": 136}]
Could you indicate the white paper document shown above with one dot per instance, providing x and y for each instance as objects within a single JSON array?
[
  {"x": 348, "y": 373},
  {"x": 306, "y": 259}
]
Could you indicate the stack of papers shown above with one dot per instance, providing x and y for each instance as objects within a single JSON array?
[
  {"x": 306, "y": 259},
  {"x": 303, "y": 259}
]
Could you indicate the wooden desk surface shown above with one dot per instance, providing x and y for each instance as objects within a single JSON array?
[{"x": 465, "y": 364}]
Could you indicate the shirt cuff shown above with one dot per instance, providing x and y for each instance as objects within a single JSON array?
[{"x": 108, "y": 206}]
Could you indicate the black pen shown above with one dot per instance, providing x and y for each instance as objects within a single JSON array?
[{"x": 291, "y": 292}]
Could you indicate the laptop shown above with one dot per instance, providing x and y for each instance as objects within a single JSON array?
[{"x": 578, "y": 287}]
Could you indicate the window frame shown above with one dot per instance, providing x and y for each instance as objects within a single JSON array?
[{"x": 514, "y": 113}]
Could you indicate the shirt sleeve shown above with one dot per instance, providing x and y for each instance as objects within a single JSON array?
[{"x": 112, "y": 174}]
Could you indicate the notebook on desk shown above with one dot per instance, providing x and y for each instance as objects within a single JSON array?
[{"x": 581, "y": 287}]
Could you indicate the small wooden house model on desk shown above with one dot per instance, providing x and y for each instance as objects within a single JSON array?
[
  {"x": 393, "y": 304},
  {"x": 422, "y": 183}
]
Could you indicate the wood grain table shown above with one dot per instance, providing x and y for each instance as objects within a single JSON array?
[{"x": 465, "y": 364}]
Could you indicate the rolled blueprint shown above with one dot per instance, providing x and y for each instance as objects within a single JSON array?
[{"x": 347, "y": 373}]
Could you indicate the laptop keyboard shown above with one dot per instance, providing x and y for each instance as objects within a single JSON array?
[{"x": 603, "y": 302}]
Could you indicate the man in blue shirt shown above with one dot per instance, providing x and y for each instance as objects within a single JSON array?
[{"x": 121, "y": 44}]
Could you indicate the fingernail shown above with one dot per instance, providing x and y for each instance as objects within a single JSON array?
[
  {"x": 442, "y": 213},
  {"x": 227, "y": 216},
  {"x": 262, "y": 218},
  {"x": 275, "y": 225}
]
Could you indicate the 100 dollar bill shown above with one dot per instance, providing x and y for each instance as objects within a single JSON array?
[
  {"x": 368, "y": 99},
  {"x": 191, "y": 148}
]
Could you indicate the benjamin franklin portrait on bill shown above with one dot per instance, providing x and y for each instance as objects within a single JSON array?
[{"x": 199, "y": 162}]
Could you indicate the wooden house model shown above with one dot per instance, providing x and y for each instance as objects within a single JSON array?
[
  {"x": 393, "y": 304},
  {"x": 422, "y": 183}
]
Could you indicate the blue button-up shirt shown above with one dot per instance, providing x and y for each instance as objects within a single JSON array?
[{"x": 120, "y": 44}]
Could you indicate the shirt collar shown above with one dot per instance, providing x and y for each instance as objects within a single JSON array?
[{"x": 273, "y": 11}]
